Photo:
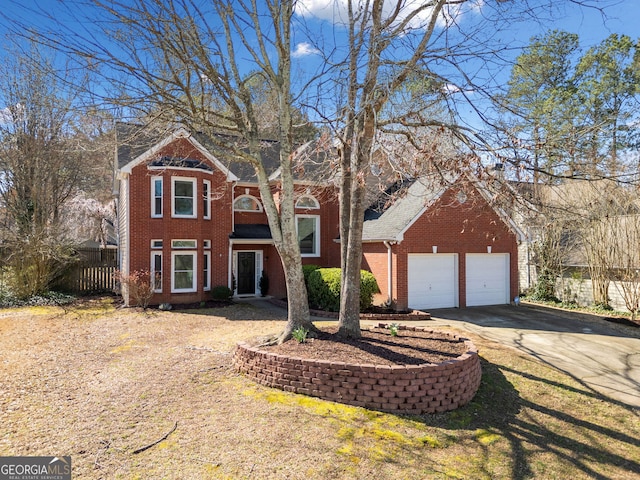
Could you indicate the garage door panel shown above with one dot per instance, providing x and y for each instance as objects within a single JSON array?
[
  {"x": 487, "y": 279},
  {"x": 432, "y": 281}
]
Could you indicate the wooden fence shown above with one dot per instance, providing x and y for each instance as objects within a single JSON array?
[{"x": 94, "y": 272}]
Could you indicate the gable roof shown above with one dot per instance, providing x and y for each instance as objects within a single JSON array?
[
  {"x": 137, "y": 144},
  {"x": 134, "y": 150},
  {"x": 388, "y": 221}
]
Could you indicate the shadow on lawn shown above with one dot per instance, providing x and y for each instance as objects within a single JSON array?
[{"x": 499, "y": 408}]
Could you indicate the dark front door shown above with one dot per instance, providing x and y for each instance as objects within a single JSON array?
[{"x": 246, "y": 273}]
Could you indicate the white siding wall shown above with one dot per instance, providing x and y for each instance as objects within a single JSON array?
[
  {"x": 579, "y": 290},
  {"x": 123, "y": 231},
  {"x": 526, "y": 272}
]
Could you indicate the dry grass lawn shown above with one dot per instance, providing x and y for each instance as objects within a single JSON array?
[{"x": 97, "y": 383}]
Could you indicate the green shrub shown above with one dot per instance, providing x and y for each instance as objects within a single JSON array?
[
  {"x": 368, "y": 288},
  {"x": 544, "y": 288},
  {"x": 323, "y": 287},
  {"x": 306, "y": 271},
  {"x": 221, "y": 292}
]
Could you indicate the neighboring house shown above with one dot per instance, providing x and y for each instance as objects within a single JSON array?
[
  {"x": 566, "y": 206},
  {"x": 441, "y": 246},
  {"x": 196, "y": 222}
]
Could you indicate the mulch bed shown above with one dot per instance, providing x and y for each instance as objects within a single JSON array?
[{"x": 377, "y": 346}]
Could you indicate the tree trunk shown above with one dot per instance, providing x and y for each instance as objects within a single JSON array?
[
  {"x": 297, "y": 303},
  {"x": 349, "y": 320}
]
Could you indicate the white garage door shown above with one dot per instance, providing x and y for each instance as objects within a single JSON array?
[
  {"x": 487, "y": 278},
  {"x": 433, "y": 280}
]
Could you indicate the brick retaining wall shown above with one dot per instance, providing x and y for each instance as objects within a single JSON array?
[
  {"x": 413, "y": 315},
  {"x": 413, "y": 389}
]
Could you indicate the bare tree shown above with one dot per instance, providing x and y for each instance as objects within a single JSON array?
[
  {"x": 210, "y": 67},
  {"x": 406, "y": 68},
  {"x": 625, "y": 253},
  {"x": 40, "y": 168},
  {"x": 194, "y": 63}
]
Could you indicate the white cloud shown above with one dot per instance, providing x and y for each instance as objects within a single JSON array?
[
  {"x": 8, "y": 115},
  {"x": 335, "y": 11},
  {"x": 451, "y": 88},
  {"x": 304, "y": 49}
]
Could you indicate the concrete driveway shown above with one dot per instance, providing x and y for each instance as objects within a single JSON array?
[{"x": 603, "y": 356}]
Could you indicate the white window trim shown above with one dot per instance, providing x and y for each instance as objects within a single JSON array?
[
  {"x": 207, "y": 263},
  {"x": 153, "y": 270},
  {"x": 316, "y": 204},
  {"x": 155, "y": 214},
  {"x": 317, "y": 237},
  {"x": 194, "y": 181},
  {"x": 258, "y": 203},
  {"x": 194, "y": 281},
  {"x": 207, "y": 201},
  {"x": 156, "y": 244}
]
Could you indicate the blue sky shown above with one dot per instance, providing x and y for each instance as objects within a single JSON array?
[
  {"x": 593, "y": 26},
  {"x": 620, "y": 16}
]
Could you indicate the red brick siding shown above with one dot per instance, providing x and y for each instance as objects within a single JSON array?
[
  {"x": 375, "y": 260},
  {"x": 143, "y": 228}
]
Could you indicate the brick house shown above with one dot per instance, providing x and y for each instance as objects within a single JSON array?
[{"x": 196, "y": 223}]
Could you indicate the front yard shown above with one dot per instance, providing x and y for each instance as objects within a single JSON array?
[{"x": 98, "y": 383}]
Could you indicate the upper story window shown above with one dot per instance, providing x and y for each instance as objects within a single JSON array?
[
  {"x": 156, "y": 197},
  {"x": 184, "y": 194},
  {"x": 247, "y": 203},
  {"x": 308, "y": 227},
  {"x": 206, "y": 199},
  {"x": 307, "y": 201}
]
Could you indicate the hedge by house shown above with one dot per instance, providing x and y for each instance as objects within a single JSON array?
[{"x": 323, "y": 287}]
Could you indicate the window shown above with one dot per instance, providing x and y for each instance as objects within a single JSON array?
[
  {"x": 307, "y": 201},
  {"x": 247, "y": 203},
  {"x": 206, "y": 272},
  {"x": 206, "y": 201},
  {"x": 308, "y": 235},
  {"x": 183, "y": 268},
  {"x": 156, "y": 244},
  {"x": 184, "y": 192},
  {"x": 156, "y": 271},
  {"x": 206, "y": 244},
  {"x": 184, "y": 243},
  {"x": 156, "y": 197}
]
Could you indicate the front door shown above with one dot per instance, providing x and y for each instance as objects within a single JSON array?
[{"x": 246, "y": 273}]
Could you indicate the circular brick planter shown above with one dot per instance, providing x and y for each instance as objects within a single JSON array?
[{"x": 412, "y": 389}]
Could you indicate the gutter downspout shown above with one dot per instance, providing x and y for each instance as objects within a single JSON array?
[{"x": 389, "y": 272}]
